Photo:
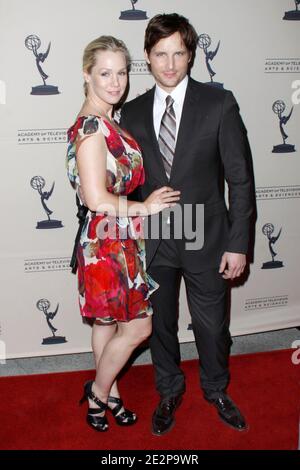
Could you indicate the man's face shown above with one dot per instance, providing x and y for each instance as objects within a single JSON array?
[{"x": 169, "y": 61}]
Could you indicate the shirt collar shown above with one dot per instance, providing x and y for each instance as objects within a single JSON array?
[{"x": 177, "y": 94}]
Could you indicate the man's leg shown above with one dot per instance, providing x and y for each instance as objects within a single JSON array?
[
  {"x": 207, "y": 295},
  {"x": 164, "y": 343}
]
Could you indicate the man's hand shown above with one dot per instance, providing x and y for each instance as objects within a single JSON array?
[{"x": 235, "y": 263}]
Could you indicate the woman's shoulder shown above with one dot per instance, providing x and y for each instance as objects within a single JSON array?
[{"x": 86, "y": 125}]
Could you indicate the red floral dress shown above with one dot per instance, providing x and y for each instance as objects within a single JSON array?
[{"x": 112, "y": 279}]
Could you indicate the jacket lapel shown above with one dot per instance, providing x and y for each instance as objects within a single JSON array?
[
  {"x": 149, "y": 126},
  {"x": 194, "y": 108},
  {"x": 187, "y": 128}
]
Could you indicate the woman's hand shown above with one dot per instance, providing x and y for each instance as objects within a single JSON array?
[
  {"x": 161, "y": 199},
  {"x": 157, "y": 201}
]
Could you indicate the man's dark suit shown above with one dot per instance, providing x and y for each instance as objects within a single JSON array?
[{"x": 211, "y": 145}]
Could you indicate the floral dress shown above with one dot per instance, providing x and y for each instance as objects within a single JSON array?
[{"x": 112, "y": 279}]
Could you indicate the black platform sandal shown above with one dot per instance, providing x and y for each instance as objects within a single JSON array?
[
  {"x": 126, "y": 417},
  {"x": 99, "y": 423}
]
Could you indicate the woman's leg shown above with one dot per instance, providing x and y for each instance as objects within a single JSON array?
[
  {"x": 116, "y": 353},
  {"x": 101, "y": 334}
]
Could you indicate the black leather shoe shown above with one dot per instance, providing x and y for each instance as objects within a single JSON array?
[
  {"x": 163, "y": 417},
  {"x": 228, "y": 411}
]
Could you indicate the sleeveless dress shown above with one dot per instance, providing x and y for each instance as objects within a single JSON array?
[{"x": 112, "y": 280}]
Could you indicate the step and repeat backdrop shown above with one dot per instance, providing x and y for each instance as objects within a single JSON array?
[{"x": 250, "y": 48}]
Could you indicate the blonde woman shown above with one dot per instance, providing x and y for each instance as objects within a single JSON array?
[{"x": 105, "y": 162}]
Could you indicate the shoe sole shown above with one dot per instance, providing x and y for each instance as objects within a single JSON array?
[
  {"x": 126, "y": 424},
  {"x": 171, "y": 425},
  {"x": 95, "y": 427},
  {"x": 164, "y": 432},
  {"x": 245, "y": 429}
]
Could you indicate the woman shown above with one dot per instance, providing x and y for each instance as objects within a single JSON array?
[{"x": 114, "y": 288}]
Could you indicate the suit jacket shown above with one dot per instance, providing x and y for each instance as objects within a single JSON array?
[{"x": 211, "y": 146}]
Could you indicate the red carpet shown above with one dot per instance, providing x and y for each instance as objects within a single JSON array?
[{"x": 41, "y": 411}]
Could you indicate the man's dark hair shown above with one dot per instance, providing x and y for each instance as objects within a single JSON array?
[{"x": 164, "y": 25}]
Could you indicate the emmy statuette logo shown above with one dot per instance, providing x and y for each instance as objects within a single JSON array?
[
  {"x": 33, "y": 43},
  {"x": 204, "y": 41},
  {"x": 278, "y": 108},
  {"x": 38, "y": 183},
  {"x": 293, "y": 15},
  {"x": 43, "y": 305},
  {"x": 268, "y": 230},
  {"x": 133, "y": 14}
]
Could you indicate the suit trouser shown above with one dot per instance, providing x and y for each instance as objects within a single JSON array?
[{"x": 206, "y": 295}]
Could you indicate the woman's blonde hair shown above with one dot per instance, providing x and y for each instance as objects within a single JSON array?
[{"x": 103, "y": 43}]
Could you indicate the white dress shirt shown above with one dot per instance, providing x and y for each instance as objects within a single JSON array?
[{"x": 159, "y": 106}]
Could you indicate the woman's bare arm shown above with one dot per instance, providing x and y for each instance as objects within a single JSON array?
[{"x": 91, "y": 160}]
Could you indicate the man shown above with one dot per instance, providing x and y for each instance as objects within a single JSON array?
[{"x": 192, "y": 136}]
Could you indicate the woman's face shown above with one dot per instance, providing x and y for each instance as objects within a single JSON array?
[{"x": 108, "y": 78}]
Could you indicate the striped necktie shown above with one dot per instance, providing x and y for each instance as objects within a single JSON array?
[{"x": 167, "y": 135}]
